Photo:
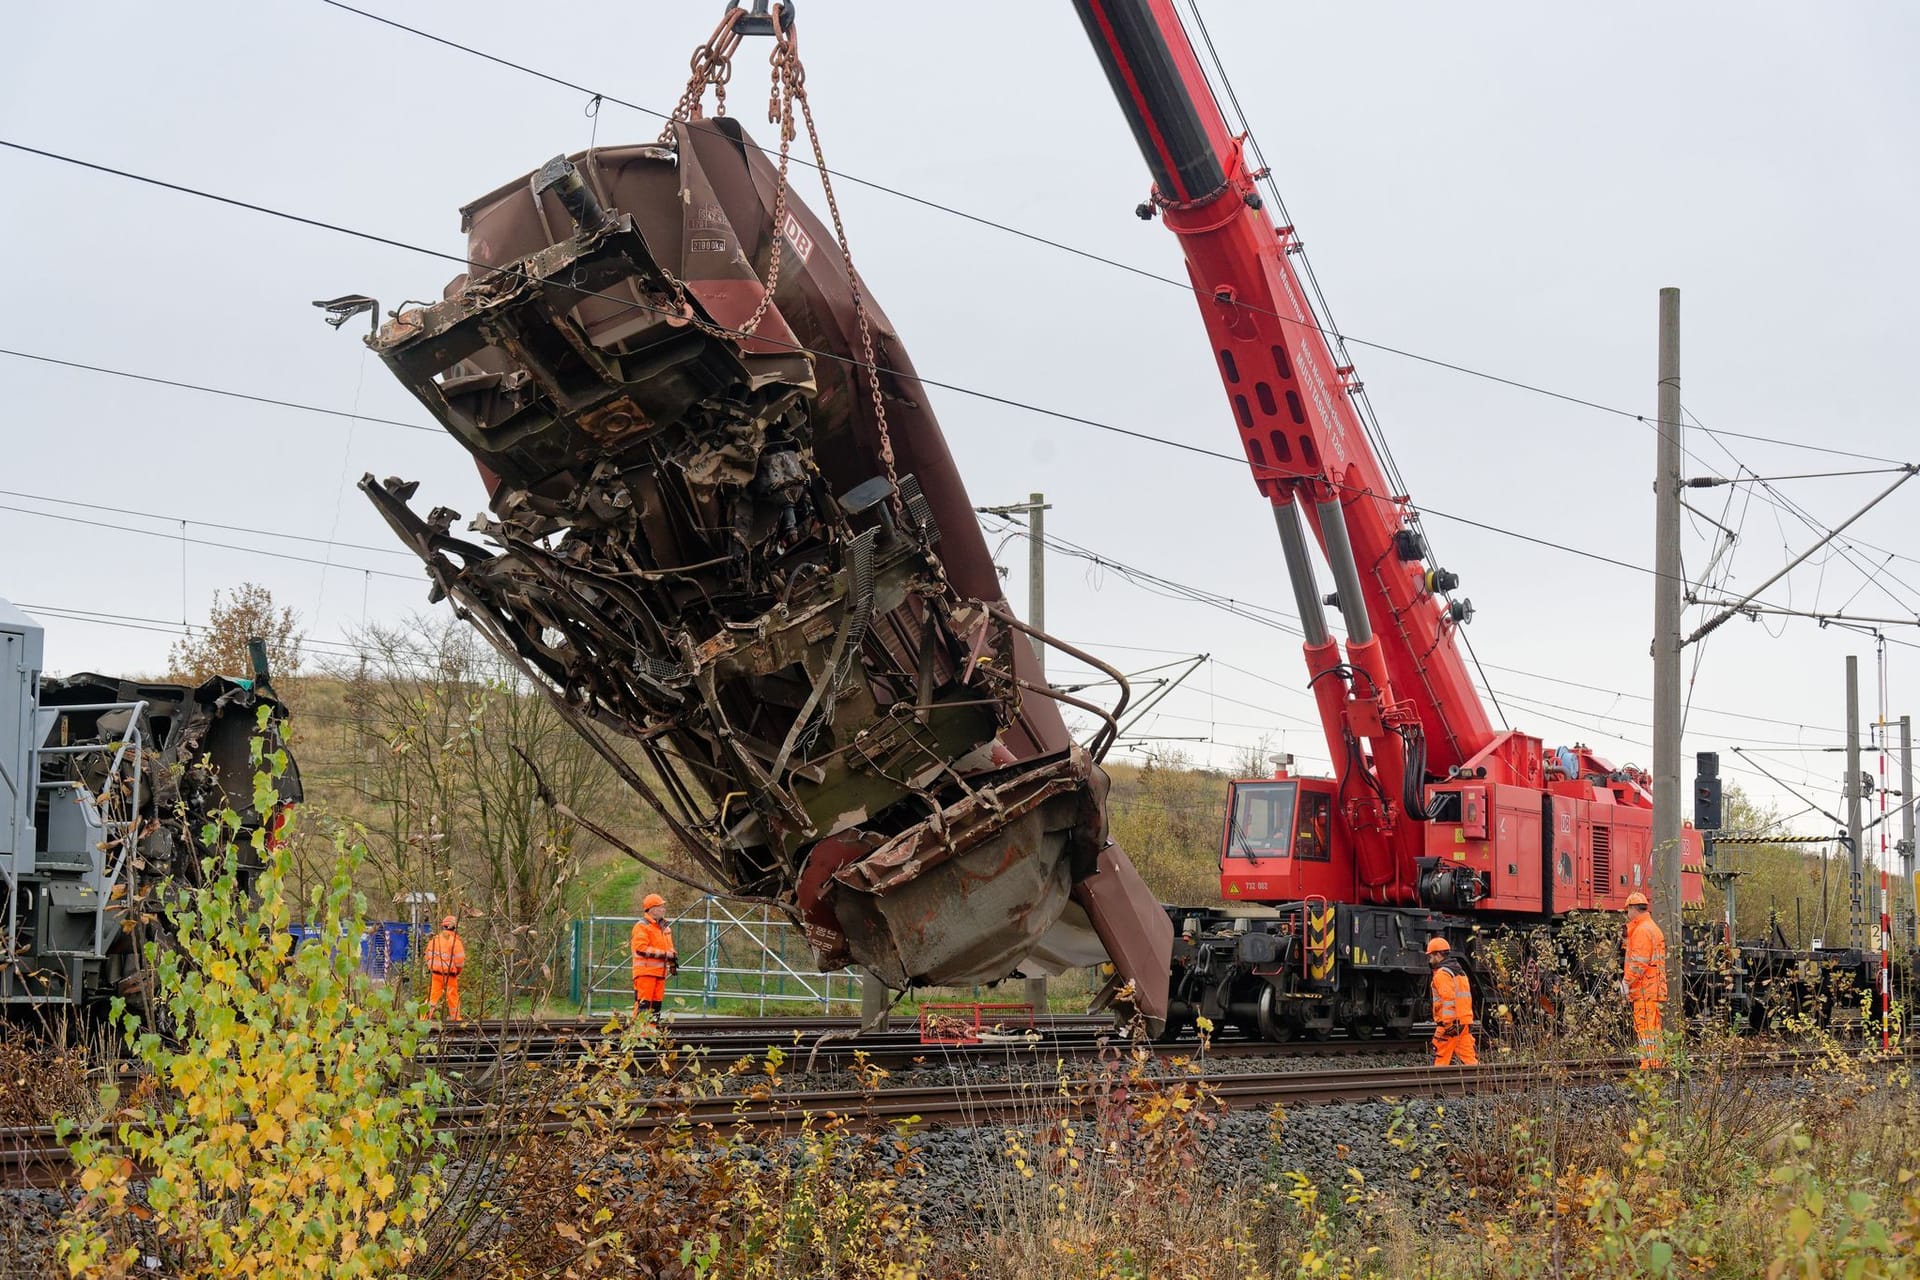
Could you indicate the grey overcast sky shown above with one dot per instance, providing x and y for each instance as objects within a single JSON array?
[{"x": 1502, "y": 186}]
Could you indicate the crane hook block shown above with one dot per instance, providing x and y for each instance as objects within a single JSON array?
[{"x": 759, "y": 22}]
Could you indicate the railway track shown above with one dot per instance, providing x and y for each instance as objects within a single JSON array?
[
  {"x": 469, "y": 1049},
  {"x": 1018, "y": 1101},
  {"x": 32, "y": 1157}
]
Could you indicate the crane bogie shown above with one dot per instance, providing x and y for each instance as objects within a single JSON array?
[{"x": 1306, "y": 969}]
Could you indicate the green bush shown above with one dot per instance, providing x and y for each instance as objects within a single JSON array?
[{"x": 279, "y": 1131}]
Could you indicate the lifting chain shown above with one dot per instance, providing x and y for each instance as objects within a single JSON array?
[
  {"x": 712, "y": 63},
  {"x": 789, "y": 80},
  {"x": 871, "y": 365}
]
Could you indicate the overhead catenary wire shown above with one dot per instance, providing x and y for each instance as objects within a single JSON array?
[
  {"x": 410, "y": 657},
  {"x": 418, "y": 661},
  {"x": 256, "y": 530},
  {"x": 215, "y": 391},
  {"x": 426, "y": 657},
  {"x": 1779, "y": 503},
  {"x": 417, "y": 427},
  {"x": 429, "y": 661},
  {"x": 1589, "y": 719},
  {"x": 1774, "y": 498},
  {"x": 1244, "y": 609},
  {"x": 848, "y": 361},
  {"x": 1782, "y": 502},
  {"x": 1185, "y": 286},
  {"x": 1287, "y": 624},
  {"x": 1721, "y": 563},
  {"x": 204, "y": 542},
  {"x": 1560, "y": 546},
  {"x": 1009, "y": 402}
]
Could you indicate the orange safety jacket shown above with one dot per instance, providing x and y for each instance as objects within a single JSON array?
[
  {"x": 1646, "y": 965},
  {"x": 446, "y": 953},
  {"x": 652, "y": 949},
  {"x": 1452, "y": 995}
]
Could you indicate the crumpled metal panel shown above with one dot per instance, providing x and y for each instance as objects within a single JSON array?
[
  {"x": 198, "y": 761},
  {"x": 697, "y": 541},
  {"x": 1000, "y": 857}
]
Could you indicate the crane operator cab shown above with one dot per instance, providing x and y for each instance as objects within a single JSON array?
[{"x": 1277, "y": 845}]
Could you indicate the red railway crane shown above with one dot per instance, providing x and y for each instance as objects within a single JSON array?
[{"x": 1431, "y": 808}]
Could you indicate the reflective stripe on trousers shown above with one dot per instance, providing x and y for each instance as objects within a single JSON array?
[{"x": 1646, "y": 1030}]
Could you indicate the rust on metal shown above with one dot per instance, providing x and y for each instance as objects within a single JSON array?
[{"x": 697, "y": 543}]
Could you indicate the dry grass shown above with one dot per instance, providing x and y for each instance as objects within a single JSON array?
[
  {"x": 1115, "y": 1184},
  {"x": 684, "y": 1198},
  {"x": 1707, "y": 1173},
  {"x": 48, "y": 1071},
  {"x": 1120, "y": 1176}
]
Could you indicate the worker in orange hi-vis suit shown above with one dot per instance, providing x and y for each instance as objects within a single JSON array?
[
  {"x": 1452, "y": 1007},
  {"x": 654, "y": 958},
  {"x": 446, "y": 957},
  {"x": 1644, "y": 979}
]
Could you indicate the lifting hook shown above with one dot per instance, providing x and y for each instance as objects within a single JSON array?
[{"x": 759, "y": 21}]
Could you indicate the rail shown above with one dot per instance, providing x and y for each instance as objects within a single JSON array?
[{"x": 31, "y": 1156}]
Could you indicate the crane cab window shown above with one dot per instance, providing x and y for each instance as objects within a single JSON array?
[
  {"x": 1313, "y": 834},
  {"x": 1260, "y": 819}
]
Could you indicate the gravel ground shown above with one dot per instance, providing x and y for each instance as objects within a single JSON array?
[
  {"x": 27, "y": 1224},
  {"x": 960, "y": 1165},
  {"x": 956, "y": 1164},
  {"x": 1404, "y": 1150}
]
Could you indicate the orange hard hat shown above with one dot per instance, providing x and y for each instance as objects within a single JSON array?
[
  {"x": 651, "y": 901},
  {"x": 448, "y": 922},
  {"x": 1636, "y": 899},
  {"x": 1436, "y": 945}
]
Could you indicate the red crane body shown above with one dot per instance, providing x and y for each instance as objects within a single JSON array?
[{"x": 1430, "y": 805}]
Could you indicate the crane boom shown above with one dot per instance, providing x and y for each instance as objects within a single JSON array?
[
  {"x": 1290, "y": 396},
  {"x": 1434, "y": 823}
]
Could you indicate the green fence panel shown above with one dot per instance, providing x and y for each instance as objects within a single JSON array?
[{"x": 728, "y": 955}]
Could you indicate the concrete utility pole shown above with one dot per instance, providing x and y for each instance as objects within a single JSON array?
[
  {"x": 1669, "y": 597},
  {"x": 1037, "y": 619},
  {"x": 1856, "y": 916},
  {"x": 1907, "y": 903},
  {"x": 1035, "y": 509},
  {"x": 1037, "y": 572}
]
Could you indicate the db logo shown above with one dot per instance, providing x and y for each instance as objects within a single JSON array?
[{"x": 797, "y": 236}]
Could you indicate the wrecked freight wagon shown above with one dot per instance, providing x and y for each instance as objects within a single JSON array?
[
  {"x": 107, "y": 789},
  {"x": 726, "y": 527}
]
